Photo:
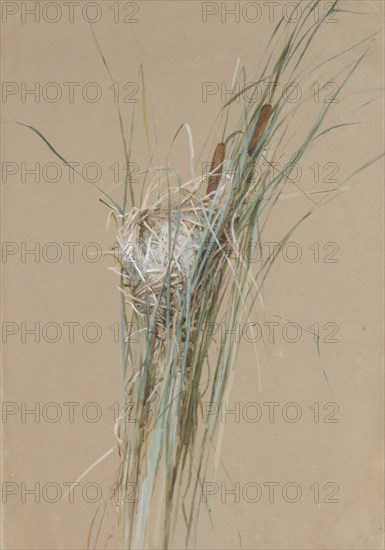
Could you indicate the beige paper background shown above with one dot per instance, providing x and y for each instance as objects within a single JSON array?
[{"x": 178, "y": 53}]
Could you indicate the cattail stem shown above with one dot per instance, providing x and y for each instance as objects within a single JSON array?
[
  {"x": 260, "y": 128},
  {"x": 216, "y": 167}
]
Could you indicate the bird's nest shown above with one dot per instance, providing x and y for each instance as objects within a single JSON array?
[{"x": 158, "y": 246}]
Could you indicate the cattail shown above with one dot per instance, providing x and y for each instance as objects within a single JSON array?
[
  {"x": 216, "y": 167},
  {"x": 260, "y": 128}
]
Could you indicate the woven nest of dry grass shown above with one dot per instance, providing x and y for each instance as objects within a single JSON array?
[{"x": 160, "y": 243}]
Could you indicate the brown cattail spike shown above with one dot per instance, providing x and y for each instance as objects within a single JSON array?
[
  {"x": 260, "y": 128},
  {"x": 216, "y": 167}
]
